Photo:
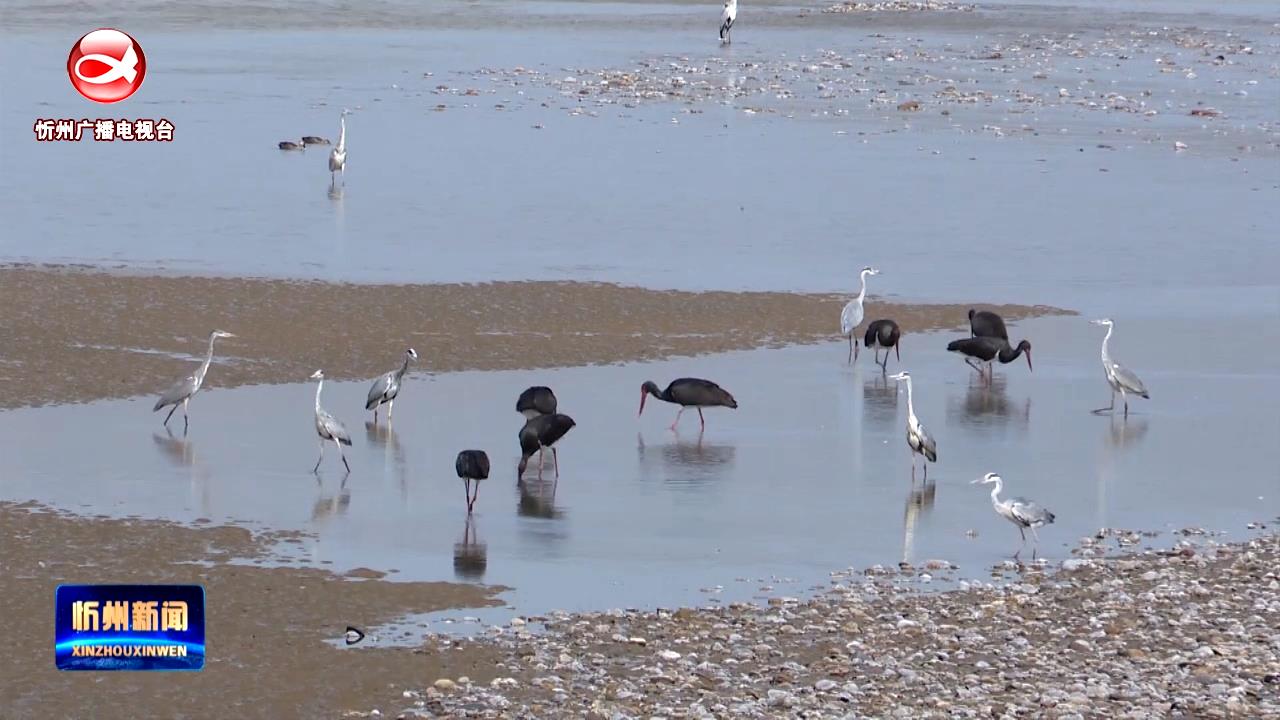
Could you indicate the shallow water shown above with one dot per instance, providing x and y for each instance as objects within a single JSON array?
[
  {"x": 810, "y": 475},
  {"x": 719, "y": 199}
]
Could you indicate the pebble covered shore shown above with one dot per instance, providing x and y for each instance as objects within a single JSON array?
[{"x": 1189, "y": 631}]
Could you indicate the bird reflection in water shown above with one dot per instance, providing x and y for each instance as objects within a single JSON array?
[
  {"x": 919, "y": 502},
  {"x": 985, "y": 404},
  {"x": 538, "y": 499},
  {"x": 1124, "y": 432},
  {"x": 470, "y": 557},
  {"x": 880, "y": 397},
  {"x": 386, "y": 438},
  {"x": 328, "y": 506},
  {"x": 688, "y": 460},
  {"x": 179, "y": 450}
]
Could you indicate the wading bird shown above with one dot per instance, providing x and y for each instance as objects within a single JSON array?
[
  {"x": 1121, "y": 378},
  {"x": 984, "y": 323},
  {"x": 291, "y": 145},
  {"x": 338, "y": 155},
  {"x": 314, "y": 140},
  {"x": 851, "y": 316},
  {"x": 1019, "y": 511},
  {"x": 538, "y": 434},
  {"x": 472, "y": 465},
  {"x": 385, "y": 389},
  {"x": 687, "y": 393},
  {"x": 186, "y": 388},
  {"x": 883, "y": 335},
  {"x": 727, "y": 16},
  {"x": 987, "y": 350},
  {"x": 537, "y": 400},
  {"x": 918, "y": 439},
  {"x": 328, "y": 427}
]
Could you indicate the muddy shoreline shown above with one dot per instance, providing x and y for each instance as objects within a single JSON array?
[
  {"x": 269, "y": 628},
  {"x": 110, "y": 335}
]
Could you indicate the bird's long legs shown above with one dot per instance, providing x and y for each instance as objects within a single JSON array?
[
  {"x": 702, "y": 419},
  {"x": 390, "y": 406},
  {"x": 316, "y": 469},
  {"x": 185, "y": 420},
  {"x": 677, "y": 420},
  {"x": 471, "y": 503},
  {"x": 541, "y": 453},
  {"x": 1110, "y": 408},
  {"x": 343, "y": 454},
  {"x": 171, "y": 412},
  {"x": 975, "y": 366},
  {"x": 466, "y": 487},
  {"x": 555, "y": 458},
  {"x": 1024, "y": 542},
  {"x": 850, "y": 348},
  {"x": 1035, "y": 543},
  {"x": 375, "y": 414},
  {"x": 1125, "y": 397}
]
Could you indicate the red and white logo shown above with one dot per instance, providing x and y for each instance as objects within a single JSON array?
[{"x": 106, "y": 65}]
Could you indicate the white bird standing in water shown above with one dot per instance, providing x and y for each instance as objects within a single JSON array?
[
  {"x": 328, "y": 427},
  {"x": 727, "y": 17},
  {"x": 1019, "y": 511},
  {"x": 1121, "y": 378},
  {"x": 851, "y": 316},
  {"x": 338, "y": 155},
  {"x": 918, "y": 439}
]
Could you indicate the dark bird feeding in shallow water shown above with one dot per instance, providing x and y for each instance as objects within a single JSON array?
[
  {"x": 537, "y": 400},
  {"x": 314, "y": 140},
  {"x": 538, "y": 434},
  {"x": 882, "y": 335},
  {"x": 1019, "y": 511},
  {"x": 291, "y": 145},
  {"x": 385, "y": 389},
  {"x": 687, "y": 393},
  {"x": 472, "y": 465},
  {"x": 328, "y": 427},
  {"x": 988, "y": 349},
  {"x": 186, "y": 388},
  {"x": 984, "y": 323}
]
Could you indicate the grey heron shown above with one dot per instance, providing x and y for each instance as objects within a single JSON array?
[
  {"x": 688, "y": 392},
  {"x": 727, "y": 17},
  {"x": 918, "y": 439},
  {"x": 1120, "y": 378},
  {"x": 535, "y": 401},
  {"x": 984, "y": 323},
  {"x": 385, "y": 389},
  {"x": 472, "y": 465},
  {"x": 882, "y": 335},
  {"x": 538, "y": 434},
  {"x": 1019, "y": 511},
  {"x": 328, "y": 427},
  {"x": 851, "y": 316},
  {"x": 338, "y": 155},
  {"x": 988, "y": 350},
  {"x": 186, "y": 388}
]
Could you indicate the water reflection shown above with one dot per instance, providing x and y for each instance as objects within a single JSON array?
[
  {"x": 1124, "y": 432},
  {"x": 470, "y": 557},
  {"x": 332, "y": 505},
  {"x": 381, "y": 435},
  {"x": 180, "y": 451},
  {"x": 687, "y": 460},
  {"x": 919, "y": 502},
  {"x": 538, "y": 499},
  {"x": 880, "y": 397},
  {"x": 989, "y": 405}
]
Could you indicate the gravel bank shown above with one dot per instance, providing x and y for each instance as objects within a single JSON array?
[{"x": 1193, "y": 631}]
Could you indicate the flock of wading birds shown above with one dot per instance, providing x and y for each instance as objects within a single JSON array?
[{"x": 544, "y": 426}]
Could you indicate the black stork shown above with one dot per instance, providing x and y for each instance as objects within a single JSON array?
[
  {"x": 687, "y": 393},
  {"x": 537, "y": 400},
  {"x": 472, "y": 465},
  {"x": 537, "y": 435},
  {"x": 984, "y": 323},
  {"x": 988, "y": 349},
  {"x": 882, "y": 335}
]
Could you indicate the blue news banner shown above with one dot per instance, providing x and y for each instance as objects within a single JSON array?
[{"x": 129, "y": 627}]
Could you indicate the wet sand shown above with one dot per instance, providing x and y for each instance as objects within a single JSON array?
[
  {"x": 116, "y": 335},
  {"x": 267, "y": 627}
]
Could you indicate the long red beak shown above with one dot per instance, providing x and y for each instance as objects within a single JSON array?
[
  {"x": 643, "y": 395},
  {"x": 1029, "y": 362}
]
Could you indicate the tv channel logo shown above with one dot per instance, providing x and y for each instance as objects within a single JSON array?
[
  {"x": 129, "y": 627},
  {"x": 106, "y": 65}
]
